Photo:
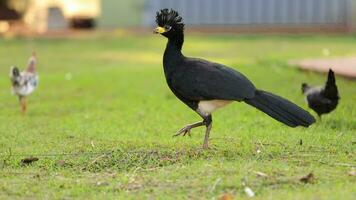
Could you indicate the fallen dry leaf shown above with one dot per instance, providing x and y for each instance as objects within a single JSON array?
[
  {"x": 99, "y": 183},
  {"x": 226, "y": 196},
  {"x": 352, "y": 172},
  {"x": 29, "y": 160},
  {"x": 310, "y": 178},
  {"x": 61, "y": 163},
  {"x": 260, "y": 174}
]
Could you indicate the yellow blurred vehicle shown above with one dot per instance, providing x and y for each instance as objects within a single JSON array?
[{"x": 46, "y": 15}]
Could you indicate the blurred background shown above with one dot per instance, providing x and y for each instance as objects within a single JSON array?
[{"x": 44, "y": 16}]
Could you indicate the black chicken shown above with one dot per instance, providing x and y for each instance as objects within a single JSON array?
[
  {"x": 322, "y": 100},
  {"x": 205, "y": 86}
]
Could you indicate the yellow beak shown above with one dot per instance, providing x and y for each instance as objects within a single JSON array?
[{"x": 160, "y": 30}]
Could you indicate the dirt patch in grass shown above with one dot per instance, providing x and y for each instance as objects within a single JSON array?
[{"x": 341, "y": 66}]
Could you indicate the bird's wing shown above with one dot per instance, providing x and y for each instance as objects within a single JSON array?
[
  {"x": 197, "y": 79},
  {"x": 27, "y": 83},
  {"x": 316, "y": 99}
]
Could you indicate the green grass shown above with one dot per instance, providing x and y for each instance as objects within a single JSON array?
[{"x": 102, "y": 119}]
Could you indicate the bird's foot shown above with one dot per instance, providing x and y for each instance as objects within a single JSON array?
[
  {"x": 206, "y": 146},
  {"x": 185, "y": 131}
]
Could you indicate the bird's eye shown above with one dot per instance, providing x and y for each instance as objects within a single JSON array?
[{"x": 168, "y": 28}]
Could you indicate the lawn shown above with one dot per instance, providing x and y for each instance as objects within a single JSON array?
[{"x": 102, "y": 120}]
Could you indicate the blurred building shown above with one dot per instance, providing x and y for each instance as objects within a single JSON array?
[
  {"x": 260, "y": 13},
  {"x": 45, "y": 15},
  {"x": 319, "y": 15},
  {"x": 7, "y": 16},
  {"x": 273, "y": 15}
]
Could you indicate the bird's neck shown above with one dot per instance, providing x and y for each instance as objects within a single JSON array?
[
  {"x": 173, "y": 53},
  {"x": 175, "y": 43}
]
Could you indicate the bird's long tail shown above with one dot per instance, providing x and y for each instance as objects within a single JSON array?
[
  {"x": 331, "y": 78},
  {"x": 31, "y": 66},
  {"x": 330, "y": 90},
  {"x": 281, "y": 109}
]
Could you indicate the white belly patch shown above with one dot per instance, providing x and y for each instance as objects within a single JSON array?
[{"x": 207, "y": 107}]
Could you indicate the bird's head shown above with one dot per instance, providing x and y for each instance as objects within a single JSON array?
[
  {"x": 14, "y": 75},
  {"x": 14, "y": 71},
  {"x": 304, "y": 87},
  {"x": 169, "y": 23}
]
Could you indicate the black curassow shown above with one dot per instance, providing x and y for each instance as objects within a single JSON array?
[
  {"x": 205, "y": 86},
  {"x": 322, "y": 100}
]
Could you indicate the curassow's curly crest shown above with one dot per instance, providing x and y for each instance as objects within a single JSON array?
[{"x": 169, "y": 17}]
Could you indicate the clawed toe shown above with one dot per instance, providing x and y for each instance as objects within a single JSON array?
[{"x": 184, "y": 131}]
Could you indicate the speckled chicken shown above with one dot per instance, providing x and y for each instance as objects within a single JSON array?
[
  {"x": 322, "y": 100},
  {"x": 25, "y": 82}
]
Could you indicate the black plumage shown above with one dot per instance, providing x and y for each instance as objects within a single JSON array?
[
  {"x": 322, "y": 100},
  {"x": 206, "y": 86}
]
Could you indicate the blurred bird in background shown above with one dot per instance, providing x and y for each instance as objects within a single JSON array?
[
  {"x": 25, "y": 82},
  {"x": 322, "y": 100}
]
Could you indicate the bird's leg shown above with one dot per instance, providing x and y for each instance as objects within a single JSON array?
[
  {"x": 186, "y": 130},
  {"x": 319, "y": 118},
  {"x": 208, "y": 123},
  {"x": 23, "y": 104}
]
